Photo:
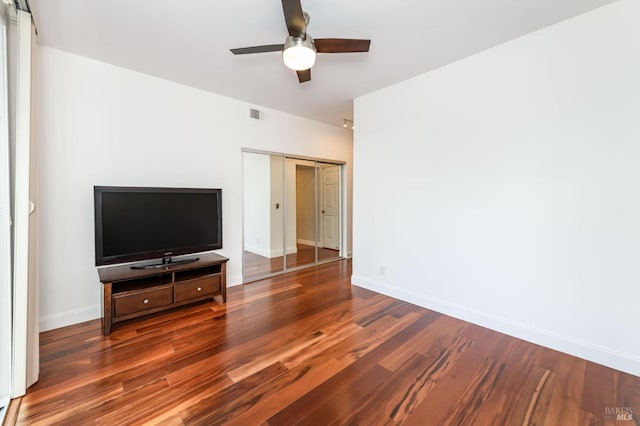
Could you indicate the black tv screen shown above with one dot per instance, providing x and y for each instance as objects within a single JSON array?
[{"x": 135, "y": 223}]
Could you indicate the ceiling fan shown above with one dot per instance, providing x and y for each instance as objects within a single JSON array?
[{"x": 299, "y": 49}]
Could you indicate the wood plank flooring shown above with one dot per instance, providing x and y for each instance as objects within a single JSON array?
[
  {"x": 308, "y": 348},
  {"x": 256, "y": 266}
]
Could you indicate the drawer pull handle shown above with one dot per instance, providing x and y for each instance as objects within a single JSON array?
[
  {"x": 199, "y": 288},
  {"x": 145, "y": 301}
]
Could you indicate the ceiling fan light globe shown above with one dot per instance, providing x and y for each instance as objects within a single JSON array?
[{"x": 299, "y": 54}]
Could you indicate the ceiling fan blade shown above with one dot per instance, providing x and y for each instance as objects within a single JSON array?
[
  {"x": 304, "y": 75},
  {"x": 258, "y": 49},
  {"x": 294, "y": 17},
  {"x": 341, "y": 45}
]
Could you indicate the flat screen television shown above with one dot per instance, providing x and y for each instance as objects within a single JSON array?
[{"x": 136, "y": 223}]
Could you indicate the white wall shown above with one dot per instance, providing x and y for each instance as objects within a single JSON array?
[
  {"x": 503, "y": 189},
  {"x": 102, "y": 125}
]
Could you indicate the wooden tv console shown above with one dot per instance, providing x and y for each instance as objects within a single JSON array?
[{"x": 131, "y": 293}]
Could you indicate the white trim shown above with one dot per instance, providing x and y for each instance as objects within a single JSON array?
[
  {"x": 270, "y": 253},
  {"x": 306, "y": 242},
  {"x": 344, "y": 211},
  {"x": 21, "y": 205},
  {"x": 233, "y": 280},
  {"x": 258, "y": 251},
  {"x": 579, "y": 348},
  {"x": 278, "y": 253},
  {"x": 5, "y": 230},
  {"x": 75, "y": 316},
  {"x": 292, "y": 156}
]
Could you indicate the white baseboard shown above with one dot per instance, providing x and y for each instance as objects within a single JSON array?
[
  {"x": 258, "y": 251},
  {"x": 233, "y": 280},
  {"x": 271, "y": 254},
  {"x": 291, "y": 250},
  {"x": 309, "y": 243},
  {"x": 596, "y": 353},
  {"x": 278, "y": 253},
  {"x": 63, "y": 319}
]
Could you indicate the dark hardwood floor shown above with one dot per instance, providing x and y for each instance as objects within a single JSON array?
[
  {"x": 256, "y": 266},
  {"x": 309, "y": 348}
]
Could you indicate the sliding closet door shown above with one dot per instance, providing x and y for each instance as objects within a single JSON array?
[
  {"x": 292, "y": 213},
  {"x": 263, "y": 215},
  {"x": 301, "y": 230}
]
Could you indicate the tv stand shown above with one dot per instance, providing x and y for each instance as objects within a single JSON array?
[
  {"x": 131, "y": 292},
  {"x": 166, "y": 261}
]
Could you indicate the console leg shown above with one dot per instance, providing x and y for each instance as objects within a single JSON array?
[
  {"x": 106, "y": 310},
  {"x": 223, "y": 270}
]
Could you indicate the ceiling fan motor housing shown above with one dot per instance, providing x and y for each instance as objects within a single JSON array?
[{"x": 299, "y": 53}]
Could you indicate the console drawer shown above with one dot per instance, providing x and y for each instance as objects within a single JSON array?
[
  {"x": 205, "y": 286},
  {"x": 129, "y": 303}
]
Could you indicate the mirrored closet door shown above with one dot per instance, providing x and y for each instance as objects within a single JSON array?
[
  {"x": 292, "y": 213},
  {"x": 302, "y": 223},
  {"x": 263, "y": 215}
]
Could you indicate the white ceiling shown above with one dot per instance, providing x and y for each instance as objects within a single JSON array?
[{"x": 188, "y": 41}]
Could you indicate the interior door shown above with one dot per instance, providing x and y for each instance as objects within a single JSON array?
[{"x": 330, "y": 206}]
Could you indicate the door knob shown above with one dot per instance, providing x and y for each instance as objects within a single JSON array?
[{"x": 322, "y": 211}]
